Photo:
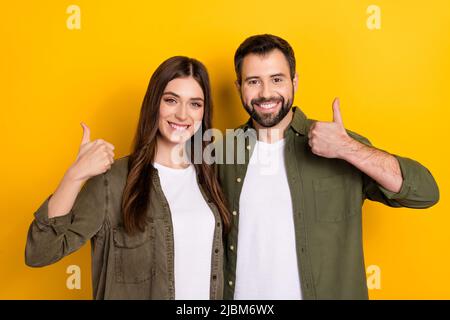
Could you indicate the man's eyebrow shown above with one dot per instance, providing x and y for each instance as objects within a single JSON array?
[
  {"x": 272, "y": 76},
  {"x": 251, "y": 77},
  {"x": 278, "y": 75}
]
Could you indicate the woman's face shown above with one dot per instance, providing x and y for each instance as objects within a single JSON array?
[{"x": 181, "y": 110}]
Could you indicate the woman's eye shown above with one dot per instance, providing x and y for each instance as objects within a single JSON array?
[
  {"x": 196, "y": 104},
  {"x": 170, "y": 101}
]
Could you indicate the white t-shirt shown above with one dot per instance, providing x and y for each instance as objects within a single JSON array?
[
  {"x": 193, "y": 230},
  {"x": 266, "y": 251}
]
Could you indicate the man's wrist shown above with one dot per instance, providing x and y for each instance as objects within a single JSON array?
[{"x": 349, "y": 149}]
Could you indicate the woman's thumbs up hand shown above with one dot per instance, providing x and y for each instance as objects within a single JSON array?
[{"x": 94, "y": 157}]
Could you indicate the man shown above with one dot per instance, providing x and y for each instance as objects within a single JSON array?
[{"x": 296, "y": 199}]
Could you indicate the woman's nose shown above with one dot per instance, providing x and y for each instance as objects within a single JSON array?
[{"x": 181, "y": 113}]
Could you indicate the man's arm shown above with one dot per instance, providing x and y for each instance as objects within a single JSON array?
[
  {"x": 393, "y": 180},
  {"x": 377, "y": 164}
]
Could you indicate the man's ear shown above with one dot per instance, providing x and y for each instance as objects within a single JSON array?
[
  {"x": 238, "y": 85},
  {"x": 295, "y": 82}
]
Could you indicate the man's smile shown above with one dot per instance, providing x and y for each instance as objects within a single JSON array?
[{"x": 267, "y": 106}]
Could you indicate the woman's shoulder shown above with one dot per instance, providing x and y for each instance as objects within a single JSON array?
[
  {"x": 117, "y": 174},
  {"x": 120, "y": 166}
]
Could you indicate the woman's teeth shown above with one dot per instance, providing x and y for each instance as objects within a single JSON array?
[{"x": 178, "y": 126}]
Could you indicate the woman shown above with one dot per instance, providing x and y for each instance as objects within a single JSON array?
[{"x": 154, "y": 218}]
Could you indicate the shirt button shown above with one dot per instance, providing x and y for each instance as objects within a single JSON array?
[
  {"x": 249, "y": 147},
  {"x": 231, "y": 247},
  {"x": 238, "y": 180},
  {"x": 234, "y": 213},
  {"x": 297, "y": 134},
  {"x": 230, "y": 283}
]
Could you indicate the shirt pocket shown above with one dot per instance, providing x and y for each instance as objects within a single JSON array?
[
  {"x": 335, "y": 198},
  {"x": 133, "y": 255}
]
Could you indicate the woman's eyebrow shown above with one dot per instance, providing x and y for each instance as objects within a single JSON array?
[
  {"x": 171, "y": 93},
  {"x": 178, "y": 96}
]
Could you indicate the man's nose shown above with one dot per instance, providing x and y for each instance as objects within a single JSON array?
[{"x": 265, "y": 91}]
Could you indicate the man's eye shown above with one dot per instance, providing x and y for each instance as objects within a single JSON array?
[
  {"x": 253, "y": 82},
  {"x": 277, "y": 80}
]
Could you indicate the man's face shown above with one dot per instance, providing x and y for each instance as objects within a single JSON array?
[{"x": 267, "y": 90}]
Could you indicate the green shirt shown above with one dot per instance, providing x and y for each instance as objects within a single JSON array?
[
  {"x": 139, "y": 266},
  {"x": 327, "y": 198}
]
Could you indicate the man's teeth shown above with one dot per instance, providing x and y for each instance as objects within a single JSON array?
[
  {"x": 268, "y": 105},
  {"x": 178, "y": 127}
]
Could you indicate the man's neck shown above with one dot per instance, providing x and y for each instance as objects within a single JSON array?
[{"x": 275, "y": 133}]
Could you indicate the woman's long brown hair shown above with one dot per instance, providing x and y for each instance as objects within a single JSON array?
[{"x": 136, "y": 195}]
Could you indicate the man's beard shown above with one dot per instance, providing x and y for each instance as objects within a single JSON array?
[{"x": 268, "y": 120}]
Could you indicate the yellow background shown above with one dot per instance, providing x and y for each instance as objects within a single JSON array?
[{"x": 393, "y": 84}]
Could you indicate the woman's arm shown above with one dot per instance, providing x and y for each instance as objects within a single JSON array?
[
  {"x": 76, "y": 210},
  {"x": 93, "y": 158}
]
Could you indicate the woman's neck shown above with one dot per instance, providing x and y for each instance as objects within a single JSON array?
[{"x": 170, "y": 154}]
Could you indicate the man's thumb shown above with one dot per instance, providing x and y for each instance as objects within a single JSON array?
[{"x": 337, "y": 111}]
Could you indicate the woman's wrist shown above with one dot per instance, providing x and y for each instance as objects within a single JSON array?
[{"x": 72, "y": 176}]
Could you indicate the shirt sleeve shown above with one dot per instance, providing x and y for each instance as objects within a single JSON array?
[
  {"x": 51, "y": 239},
  {"x": 419, "y": 188}
]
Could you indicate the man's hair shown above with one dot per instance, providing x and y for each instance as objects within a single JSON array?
[{"x": 260, "y": 45}]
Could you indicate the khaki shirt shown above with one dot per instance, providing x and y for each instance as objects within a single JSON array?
[
  {"x": 123, "y": 266},
  {"x": 327, "y": 198}
]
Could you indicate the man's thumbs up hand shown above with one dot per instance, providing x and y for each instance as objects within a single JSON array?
[{"x": 329, "y": 139}]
